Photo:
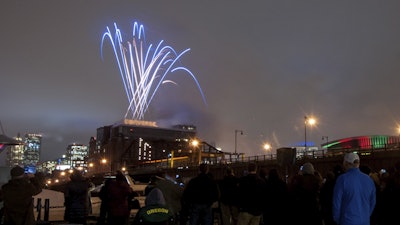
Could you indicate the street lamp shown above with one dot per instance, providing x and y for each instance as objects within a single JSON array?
[
  {"x": 196, "y": 144},
  {"x": 104, "y": 161},
  {"x": 310, "y": 121},
  {"x": 236, "y": 132},
  {"x": 267, "y": 147}
]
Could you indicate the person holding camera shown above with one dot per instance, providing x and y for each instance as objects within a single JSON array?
[{"x": 17, "y": 197}]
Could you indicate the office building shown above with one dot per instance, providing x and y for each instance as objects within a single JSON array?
[
  {"x": 131, "y": 143},
  {"x": 15, "y": 153},
  {"x": 32, "y": 146},
  {"x": 77, "y": 156}
]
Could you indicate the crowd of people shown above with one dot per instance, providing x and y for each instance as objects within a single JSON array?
[{"x": 349, "y": 194}]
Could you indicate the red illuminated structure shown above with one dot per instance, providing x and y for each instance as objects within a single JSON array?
[{"x": 364, "y": 142}]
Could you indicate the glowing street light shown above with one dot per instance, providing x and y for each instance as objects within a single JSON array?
[
  {"x": 267, "y": 147},
  {"x": 104, "y": 161},
  {"x": 196, "y": 144},
  {"x": 310, "y": 121}
]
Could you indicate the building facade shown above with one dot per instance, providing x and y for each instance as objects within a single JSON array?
[
  {"x": 15, "y": 153},
  {"x": 130, "y": 144},
  {"x": 32, "y": 147},
  {"x": 77, "y": 155},
  {"x": 364, "y": 142}
]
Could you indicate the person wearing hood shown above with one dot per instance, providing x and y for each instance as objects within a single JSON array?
[
  {"x": 304, "y": 189},
  {"x": 155, "y": 210}
]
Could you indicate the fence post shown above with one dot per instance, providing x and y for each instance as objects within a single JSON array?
[
  {"x": 39, "y": 208},
  {"x": 46, "y": 209}
]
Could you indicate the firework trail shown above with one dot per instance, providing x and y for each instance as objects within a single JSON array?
[{"x": 143, "y": 68}]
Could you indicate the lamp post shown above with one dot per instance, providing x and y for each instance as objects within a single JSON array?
[
  {"x": 196, "y": 144},
  {"x": 267, "y": 147},
  {"x": 104, "y": 162},
  {"x": 236, "y": 132},
  {"x": 310, "y": 121}
]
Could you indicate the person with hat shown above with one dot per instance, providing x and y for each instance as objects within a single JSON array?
[
  {"x": 17, "y": 197},
  {"x": 304, "y": 189},
  {"x": 354, "y": 194}
]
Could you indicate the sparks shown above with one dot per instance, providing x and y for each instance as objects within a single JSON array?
[{"x": 143, "y": 69}]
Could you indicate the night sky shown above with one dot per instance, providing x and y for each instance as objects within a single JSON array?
[{"x": 262, "y": 65}]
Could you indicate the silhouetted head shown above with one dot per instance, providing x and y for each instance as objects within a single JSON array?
[
  {"x": 307, "y": 168},
  {"x": 204, "y": 168},
  {"x": 76, "y": 175},
  {"x": 365, "y": 169},
  {"x": 17, "y": 172},
  {"x": 273, "y": 174},
  {"x": 229, "y": 171},
  {"x": 120, "y": 176},
  {"x": 338, "y": 170},
  {"x": 252, "y": 167}
]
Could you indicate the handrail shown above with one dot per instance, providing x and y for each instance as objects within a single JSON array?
[{"x": 316, "y": 154}]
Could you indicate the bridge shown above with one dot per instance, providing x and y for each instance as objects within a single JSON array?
[{"x": 323, "y": 161}]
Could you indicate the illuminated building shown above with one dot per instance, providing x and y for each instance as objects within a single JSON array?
[
  {"x": 77, "y": 156},
  {"x": 132, "y": 143},
  {"x": 15, "y": 153},
  {"x": 364, "y": 142},
  {"x": 32, "y": 146},
  {"x": 47, "y": 167}
]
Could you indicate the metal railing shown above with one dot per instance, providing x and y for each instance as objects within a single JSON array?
[{"x": 241, "y": 158}]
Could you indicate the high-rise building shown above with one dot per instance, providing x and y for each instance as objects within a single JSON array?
[
  {"x": 15, "y": 153},
  {"x": 32, "y": 146},
  {"x": 77, "y": 156}
]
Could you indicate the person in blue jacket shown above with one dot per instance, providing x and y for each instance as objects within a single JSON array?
[{"x": 354, "y": 195}]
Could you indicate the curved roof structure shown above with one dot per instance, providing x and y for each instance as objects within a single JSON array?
[{"x": 364, "y": 142}]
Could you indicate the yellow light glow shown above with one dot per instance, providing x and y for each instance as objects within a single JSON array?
[
  {"x": 312, "y": 121},
  {"x": 267, "y": 146},
  {"x": 195, "y": 143}
]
